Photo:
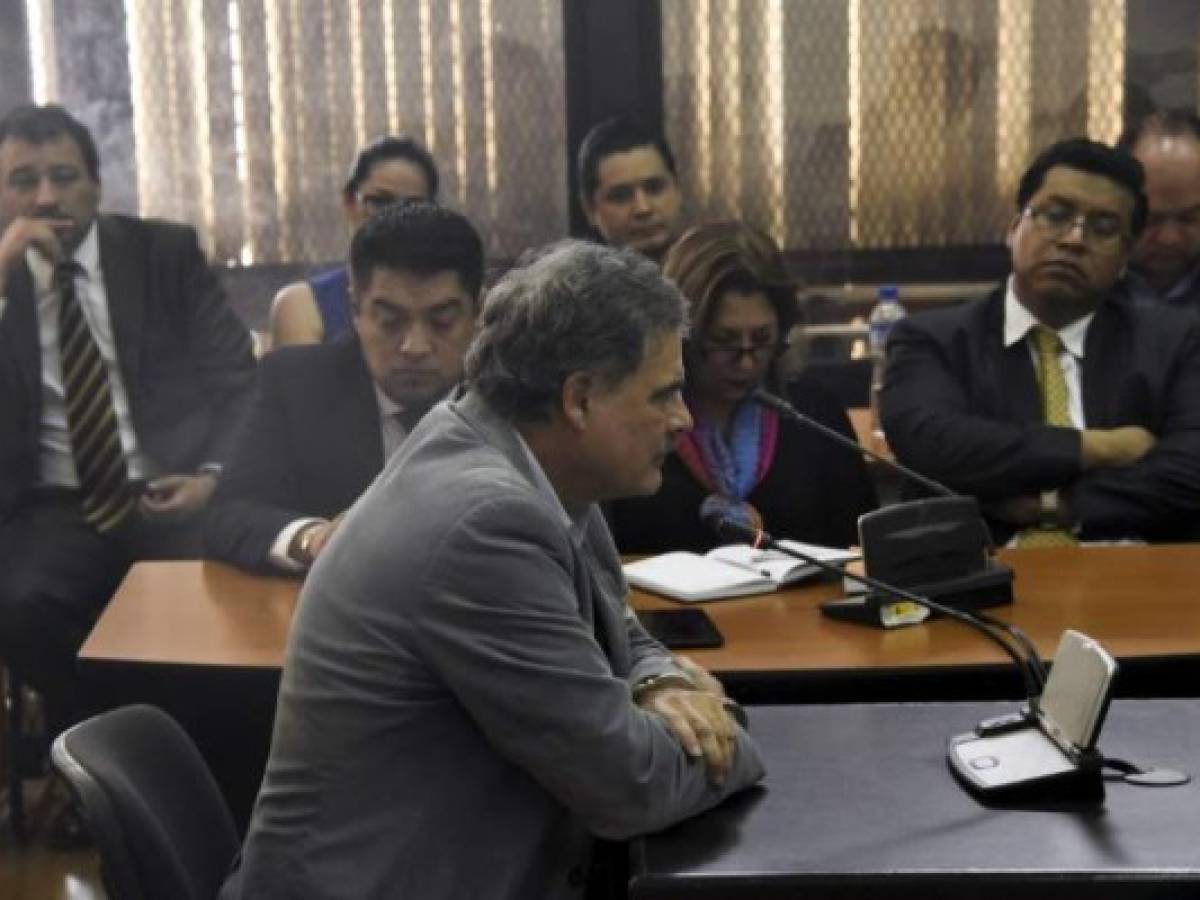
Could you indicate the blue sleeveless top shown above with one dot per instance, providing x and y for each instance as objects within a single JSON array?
[{"x": 332, "y": 291}]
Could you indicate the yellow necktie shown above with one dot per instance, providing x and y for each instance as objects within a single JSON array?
[{"x": 1056, "y": 410}]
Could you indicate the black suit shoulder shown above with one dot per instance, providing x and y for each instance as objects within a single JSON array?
[{"x": 310, "y": 446}]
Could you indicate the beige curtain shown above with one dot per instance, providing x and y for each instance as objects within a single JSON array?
[{"x": 247, "y": 114}]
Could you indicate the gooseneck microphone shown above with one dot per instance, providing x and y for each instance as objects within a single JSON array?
[
  {"x": 939, "y": 547},
  {"x": 781, "y": 406},
  {"x": 1028, "y": 662}
]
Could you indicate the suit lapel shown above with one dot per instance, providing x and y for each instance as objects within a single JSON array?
[
  {"x": 361, "y": 459},
  {"x": 125, "y": 288},
  {"x": 1017, "y": 379},
  {"x": 608, "y": 619},
  {"x": 605, "y": 618},
  {"x": 1104, "y": 363}
]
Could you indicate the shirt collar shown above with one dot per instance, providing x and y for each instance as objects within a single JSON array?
[
  {"x": 1018, "y": 321},
  {"x": 387, "y": 406},
  {"x": 574, "y": 524},
  {"x": 87, "y": 256}
]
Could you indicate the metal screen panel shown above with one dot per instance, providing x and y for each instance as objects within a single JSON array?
[{"x": 843, "y": 124}]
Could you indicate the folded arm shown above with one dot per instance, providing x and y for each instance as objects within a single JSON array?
[{"x": 504, "y": 632}]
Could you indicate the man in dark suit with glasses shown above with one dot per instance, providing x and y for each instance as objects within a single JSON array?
[{"x": 1069, "y": 414}]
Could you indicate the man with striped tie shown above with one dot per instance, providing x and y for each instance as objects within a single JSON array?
[
  {"x": 122, "y": 374},
  {"x": 1071, "y": 414}
]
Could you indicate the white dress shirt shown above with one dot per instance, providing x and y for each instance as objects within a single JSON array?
[
  {"x": 1018, "y": 322},
  {"x": 57, "y": 464}
]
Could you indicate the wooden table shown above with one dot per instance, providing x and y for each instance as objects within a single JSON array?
[
  {"x": 206, "y": 642},
  {"x": 194, "y": 613},
  {"x": 1140, "y": 602}
]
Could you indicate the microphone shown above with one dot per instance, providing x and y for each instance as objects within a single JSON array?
[
  {"x": 939, "y": 547},
  {"x": 1027, "y": 660},
  {"x": 1045, "y": 751},
  {"x": 781, "y": 406}
]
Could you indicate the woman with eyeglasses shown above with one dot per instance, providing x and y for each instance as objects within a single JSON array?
[
  {"x": 385, "y": 171},
  {"x": 742, "y": 458}
]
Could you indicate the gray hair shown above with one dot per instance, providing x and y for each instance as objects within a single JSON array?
[{"x": 570, "y": 307}]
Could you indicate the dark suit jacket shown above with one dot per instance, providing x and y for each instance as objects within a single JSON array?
[
  {"x": 959, "y": 406},
  {"x": 814, "y": 491},
  {"x": 186, "y": 359},
  {"x": 310, "y": 446}
]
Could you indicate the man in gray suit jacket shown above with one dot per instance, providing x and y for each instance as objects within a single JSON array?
[{"x": 467, "y": 701}]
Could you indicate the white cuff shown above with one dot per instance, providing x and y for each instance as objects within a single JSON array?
[{"x": 278, "y": 554}]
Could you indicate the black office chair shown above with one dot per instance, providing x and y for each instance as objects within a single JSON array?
[
  {"x": 159, "y": 821},
  {"x": 25, "y": 749}
]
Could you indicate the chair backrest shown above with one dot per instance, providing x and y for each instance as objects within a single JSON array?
[{"x": 161, "y": 825}]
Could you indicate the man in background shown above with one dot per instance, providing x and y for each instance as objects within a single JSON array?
[
  {"x": 123, "y": 374},
  {"x": 327, "y": 416},
  {"x": 1071, "y": 415},
  {"x": 628, "y": 188},
  {"x": 1164, "y": 266}
]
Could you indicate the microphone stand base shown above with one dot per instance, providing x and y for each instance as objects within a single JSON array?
[
  {"x": 990, "y": 586},
  {"x": 1024, "y": 768}
]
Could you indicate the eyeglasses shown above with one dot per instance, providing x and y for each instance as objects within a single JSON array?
[
  {"x": 375, "y": 202},
  {"x": 1057, "y": 220},
  {"x": 1188, "y": 218},
  {"x": 731, "y": 354}
]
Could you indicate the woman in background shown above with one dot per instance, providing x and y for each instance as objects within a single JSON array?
[
  {"x": 385, "y": 171},
  {"x": 741, "y": 458}
]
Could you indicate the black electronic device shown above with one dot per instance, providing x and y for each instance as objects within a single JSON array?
[
  {"x": 893, "y": 605},
  {"x": 681, "y": 629},
  {"x": 938, "y": 547}
]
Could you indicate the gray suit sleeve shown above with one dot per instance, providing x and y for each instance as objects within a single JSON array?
[{"x": 501, "y": 626}]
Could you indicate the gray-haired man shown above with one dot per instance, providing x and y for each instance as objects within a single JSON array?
[{"x": 466, "y": 700}]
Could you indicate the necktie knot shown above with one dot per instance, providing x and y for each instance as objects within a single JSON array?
[
  {"x": 408, "y": 418},
  {"x": 1046, "y": 340},
  {"x": 65, "y": 273}
]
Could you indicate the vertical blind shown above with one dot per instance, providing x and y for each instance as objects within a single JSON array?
[{"x": 247, "y": 114}]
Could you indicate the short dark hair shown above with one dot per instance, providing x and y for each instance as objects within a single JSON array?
[
  {"x": 421, "y": 238},
  {"x": 41, "y": 124},
  {"x": 572, "y": 307},
  {"x": 615, "y": 135},
  {"x": 383, "y": 149},
  {"x": 1162, "y": 122},
  {"x": 1093, "y": 157}
]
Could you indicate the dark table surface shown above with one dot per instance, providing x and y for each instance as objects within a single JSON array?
[{"x": 859, "y": 801}]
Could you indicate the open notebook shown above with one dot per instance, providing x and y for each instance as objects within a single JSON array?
[{"x": 736, "y": 570}]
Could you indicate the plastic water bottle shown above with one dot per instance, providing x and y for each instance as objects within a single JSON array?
[{"x": 886, "y": 312}]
